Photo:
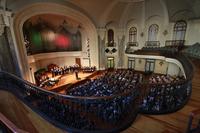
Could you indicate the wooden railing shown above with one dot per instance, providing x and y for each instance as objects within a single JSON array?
[
  {"x": 8, "y": 126},
  {"x": 82, "y": 114},
  {"x": 90, "y": 114}
]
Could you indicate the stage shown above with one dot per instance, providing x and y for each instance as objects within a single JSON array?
[{"x": 65, "y": 80}]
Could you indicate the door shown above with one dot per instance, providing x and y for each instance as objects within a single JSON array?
[
  {"x": 150, "y": 64},
  {"x": 131, "y": 63},
  {"x": 110, "y": 62},
  {"x": 78, "y": 61}
]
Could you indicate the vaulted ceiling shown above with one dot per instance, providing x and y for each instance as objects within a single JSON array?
[{"x": 105, "y": 11}]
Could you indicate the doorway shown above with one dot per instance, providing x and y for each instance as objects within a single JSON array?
[
  {"x": 110, "y": 62},
  {"x": 131, "y": 63},
  {"x": 78, "y": 61},
  {"x": 150, "y": 65}
]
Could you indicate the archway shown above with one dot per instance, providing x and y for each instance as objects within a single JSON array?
[{"x": 52, "y": 8}]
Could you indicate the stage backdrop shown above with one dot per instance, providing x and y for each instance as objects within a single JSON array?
[{"x": 51, "y": 33}]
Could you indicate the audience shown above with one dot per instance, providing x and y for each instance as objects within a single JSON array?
[
  {"x": 163, "y": 79},
  {"x": 110, "y": 83},
  {"x": 165, "y": 93}
]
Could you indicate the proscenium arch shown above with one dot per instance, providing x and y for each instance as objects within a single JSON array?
[{"x": 51, "y": 8}]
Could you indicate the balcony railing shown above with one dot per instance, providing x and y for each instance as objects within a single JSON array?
[
  {"x": 78, "y": 114},
  {"x": 97, "y": 114},
  {"x": 174, "y": 43},
  {"x": 111, "y": 44},
  {"x": 130, "y": 47},
  {"x": 132, "y": 44},
  {"x": 152, "y": 44}
]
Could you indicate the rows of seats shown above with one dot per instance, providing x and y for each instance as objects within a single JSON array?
[
  {"x": 165, "y": 79},
  {"x": 110, "y": 83},
  {"x": 83, "y": 114},
  {"x": 109, "y": 99},
  {"x": 165, "y": 93}
]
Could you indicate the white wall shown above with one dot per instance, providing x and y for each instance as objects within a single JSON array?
[
  {"x": 173, "y": 69},
  {"x": 169, "y": 66},
  {"x": 161, "y": 66}
]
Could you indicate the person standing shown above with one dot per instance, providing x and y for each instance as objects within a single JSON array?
[{"x": 76, "y": 73}]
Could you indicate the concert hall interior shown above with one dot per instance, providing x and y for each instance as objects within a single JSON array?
[{"x": 100, "y": 66}]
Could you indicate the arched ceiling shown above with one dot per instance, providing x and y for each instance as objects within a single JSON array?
[{"x": 102, "y": 12}]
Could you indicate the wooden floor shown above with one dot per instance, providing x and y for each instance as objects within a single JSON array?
[{"x": 26, "y": 119}]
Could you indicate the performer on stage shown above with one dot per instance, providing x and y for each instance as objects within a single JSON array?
[{"x": 76, "y": 73}]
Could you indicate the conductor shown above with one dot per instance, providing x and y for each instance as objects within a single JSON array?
[{"x": 76, "y": 73}]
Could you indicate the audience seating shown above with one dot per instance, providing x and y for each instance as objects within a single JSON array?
[
  {"x": 108, "y": 103},
  {"x": 165, "y": 93}
]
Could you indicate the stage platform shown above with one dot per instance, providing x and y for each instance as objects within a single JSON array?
[{"x": 66, "y": 80}]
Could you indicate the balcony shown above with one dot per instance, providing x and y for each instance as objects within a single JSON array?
[
  {"x": 179, "y": 44},
  {"x": 152, "y": 44},
  {"x": 130, "y": 47},
  {"x": 132, "y": 44},
  {"x": 174, "y": 43},
  {"x": 111, "y": 44}
]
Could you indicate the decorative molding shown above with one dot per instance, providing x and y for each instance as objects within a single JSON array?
[{"x": 41, "y": 8}]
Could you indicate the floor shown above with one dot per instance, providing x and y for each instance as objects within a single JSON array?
[{"x": 176, "y": 122}]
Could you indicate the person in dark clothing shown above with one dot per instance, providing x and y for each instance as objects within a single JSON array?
[{"x": 76, "y": 73}]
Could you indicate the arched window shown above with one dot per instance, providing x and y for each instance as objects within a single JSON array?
[
  {"x": 153, "y": 32},
  {"x": 179, "y": 30},
  {"x": 110, "y": 37},
  {"x": 132, "y": 34}
]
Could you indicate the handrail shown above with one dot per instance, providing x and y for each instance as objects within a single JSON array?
[
  {"x": 12, "y": 127},
  {"x": 96, "y": 104},
  {"x": 75, "y": 107},
  {"x": 65, "y": 95}
]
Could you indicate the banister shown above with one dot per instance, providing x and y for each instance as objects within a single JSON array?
[
  {"x": 64, "y": 95},
  {"x": 24, "y": 87}
]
